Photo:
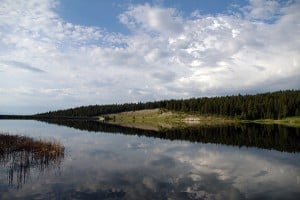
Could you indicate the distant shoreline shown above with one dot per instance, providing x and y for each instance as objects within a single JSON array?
[
  {"x": 156, "y": 119},
  {"x": 34, "y": 117}
]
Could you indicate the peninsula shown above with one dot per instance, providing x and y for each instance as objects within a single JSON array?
[{"x": 281, "y": 107}]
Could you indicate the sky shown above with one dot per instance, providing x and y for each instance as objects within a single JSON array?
[{"x": 57, "y": 54}]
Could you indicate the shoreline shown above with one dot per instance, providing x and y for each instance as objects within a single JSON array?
[
  {"x": 289, "y": 121},
  {"x": 157, "y": 119}
]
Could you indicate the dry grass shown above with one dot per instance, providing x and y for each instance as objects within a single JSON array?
[
  {"x": 20, "y": 154},
  {"x": 13, "y": 143},
  {"x": 157, "y": 119},
  {"x": 289, "y": 121}
]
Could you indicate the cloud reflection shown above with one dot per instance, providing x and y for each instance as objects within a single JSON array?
[{"x": 114, "y": 166}]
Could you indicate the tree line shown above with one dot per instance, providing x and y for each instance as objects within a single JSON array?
[{"x": 271, "y": 105}]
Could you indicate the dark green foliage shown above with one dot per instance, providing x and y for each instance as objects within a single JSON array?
[
  {"x": 96, "y": 110},
  {"x": 275, "y": 105}
]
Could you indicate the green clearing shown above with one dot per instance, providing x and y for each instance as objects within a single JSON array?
[
  {"x": 289, "y": 121},
  {"x": 158, "y": 119}
]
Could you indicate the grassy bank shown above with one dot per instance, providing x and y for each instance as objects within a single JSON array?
[
  {"x": 289, "y": 121},
  {"x": 157, "y": 119}
]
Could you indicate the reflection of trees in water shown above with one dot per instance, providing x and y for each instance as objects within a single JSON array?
[
  {"x": 250, "y": 135},
  {"x": 20, "y": 154}
]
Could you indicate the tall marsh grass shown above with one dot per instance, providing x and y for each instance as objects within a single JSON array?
[{"x": 19, "y": 154}]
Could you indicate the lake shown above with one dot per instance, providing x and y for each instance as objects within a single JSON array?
[{"x": 110, "y": 162}]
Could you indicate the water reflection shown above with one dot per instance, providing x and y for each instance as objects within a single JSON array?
[
  {"x": 20, "y": 154},
  {"x": 130, "y": 166},
  {"x": 250, "y": 135}
]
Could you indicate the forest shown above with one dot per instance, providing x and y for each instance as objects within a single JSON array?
[{"x": 271, "y": 105}]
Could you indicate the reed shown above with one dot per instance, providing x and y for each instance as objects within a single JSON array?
[
  {"x": 19, "y": 154},
  {"x": 14, "y": 143}
]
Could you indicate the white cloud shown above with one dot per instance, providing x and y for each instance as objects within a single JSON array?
[
  {"x": 262, "y": 9},
  {"x": 244, "y": 176},
  {"x": 152, "y": 18},
  {"x": 165, "y": 56}
]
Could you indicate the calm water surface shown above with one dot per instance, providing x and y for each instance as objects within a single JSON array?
[{"x": 106, "y": 165}]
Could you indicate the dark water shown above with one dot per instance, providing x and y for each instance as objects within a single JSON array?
[{"x": 109, "y": 162}]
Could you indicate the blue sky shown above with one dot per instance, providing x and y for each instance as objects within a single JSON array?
[
  {"x": 57, "y": 54},
  {"x": 105, "y": 13}
]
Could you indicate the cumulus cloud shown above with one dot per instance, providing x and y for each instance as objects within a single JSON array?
[
  {"x": 262, "y": 9},
  {"x": 165, "y": 55},
  {"x": 152, "y": 18}
]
